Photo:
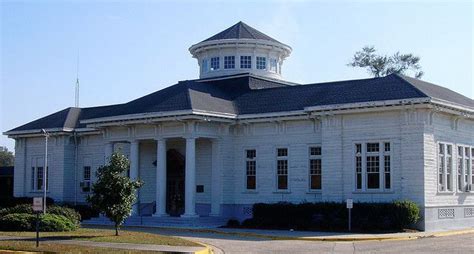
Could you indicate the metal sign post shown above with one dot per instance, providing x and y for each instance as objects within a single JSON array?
[
  {"x": 37, "y": 208},
  {"x": 349, "y": 205}
]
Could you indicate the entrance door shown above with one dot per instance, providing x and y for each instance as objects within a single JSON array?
[{"x": 175, "y": 172}]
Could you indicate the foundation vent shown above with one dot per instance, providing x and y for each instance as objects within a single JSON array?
[{"x": 445, "y": 213}]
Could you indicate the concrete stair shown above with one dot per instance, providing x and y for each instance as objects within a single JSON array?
[{"x": 169, "y": 222}]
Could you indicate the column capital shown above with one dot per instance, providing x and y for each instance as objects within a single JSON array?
[
  {"x": 160, "y": 139},
  {"x": 190, "y": 137},
  {"x": 134, "y": 141}
]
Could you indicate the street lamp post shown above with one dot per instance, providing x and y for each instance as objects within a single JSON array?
[{"x": 45, "y": 173}]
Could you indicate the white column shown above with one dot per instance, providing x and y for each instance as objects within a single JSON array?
[
  {"x": 134, "y": 164},
  {"x": 160, "y": 178},
  {"x": 109, "y": 149},
  {"x": 190, "y": 179},
  {"x": 215, "y": 179}
]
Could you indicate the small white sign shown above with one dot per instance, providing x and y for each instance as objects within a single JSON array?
[
  {"x": 38, "y": 204},
  {"x": 349, "y": 203}
]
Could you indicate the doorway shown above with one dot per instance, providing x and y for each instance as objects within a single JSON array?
[{"x": 175, "y": 175}]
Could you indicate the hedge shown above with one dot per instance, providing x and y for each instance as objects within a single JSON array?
[
  {"x": 334, "y": 216},
  {"x": 86, "y": 211},
  {"x": 27, "y": 222},
  {"x": 69, "y": 213}
]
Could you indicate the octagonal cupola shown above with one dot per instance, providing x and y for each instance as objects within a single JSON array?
[{"x": 240, "y": 49}]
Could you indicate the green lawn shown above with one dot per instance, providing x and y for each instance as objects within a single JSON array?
[
  {"x": 86, "y": 234},
  {"x": 61, "y": 248}
]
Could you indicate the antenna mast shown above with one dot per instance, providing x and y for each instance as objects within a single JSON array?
[{"x": 76, "y": 104}]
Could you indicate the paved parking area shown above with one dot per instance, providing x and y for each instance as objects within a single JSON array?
[{"x": 223, "y": 243}]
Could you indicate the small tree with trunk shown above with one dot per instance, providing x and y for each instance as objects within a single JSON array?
[
  {"x": 114, "y": 193},
  {"x": 383, "y": 65}
]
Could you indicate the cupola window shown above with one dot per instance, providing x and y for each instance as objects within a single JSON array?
[
  {"x": 214, "y": 63},
  {"x": 261, "y": 63},
  {"x": 245, "y": 62},
  {"x": 229, "y": 62},
  {"x": 273, "y": 65},
  {"x": 205, "y": 65}
]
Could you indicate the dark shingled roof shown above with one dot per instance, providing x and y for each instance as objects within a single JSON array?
[
  {"x": 241, "y": 31},
  {"x": 249, "y": 94},
  {"x": 439, "y": 92}
]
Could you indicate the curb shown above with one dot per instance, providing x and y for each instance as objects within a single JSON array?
[
  {"x": 206, "y": 250},
  {"x": 20, "y": 252}
]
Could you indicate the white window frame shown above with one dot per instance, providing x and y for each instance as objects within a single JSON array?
[
  {"x": 381, "y": 164},
  {"x": 245, "y": 60},
  {"x": 287, "y": 158},
  {"x": 261, "y": 61},
  {"x": 246, "y": 159},
  {"x": 315, "y": 157},
  {"x": 205, "y": 65},
  {"x": 273, "y": 65},
  {"x": 229, "y": 62},
  {"x": 213, "y": 61},
  {"x": 444, "y": 187},
  {"x": 467, "y": 168},
  {"x": 36, "y": 163},
  {"x": 471, "y": 171}
]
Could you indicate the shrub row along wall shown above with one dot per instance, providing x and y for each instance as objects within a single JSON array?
[
  {"x": 334, "y": 216},
  {"x": 22, "y": 218}
]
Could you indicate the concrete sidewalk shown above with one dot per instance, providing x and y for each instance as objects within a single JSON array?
[{"x": 125, "y": 246}]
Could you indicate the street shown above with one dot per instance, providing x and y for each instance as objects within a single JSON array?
[{"x": 223, "y": 243}]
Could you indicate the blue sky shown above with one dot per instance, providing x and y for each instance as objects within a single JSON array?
[{"x": 128, "y": 49}]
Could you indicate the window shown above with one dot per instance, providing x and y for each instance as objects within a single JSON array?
[
  {"x": 460, "y": 169},
  {"x": 87, "y": 173},
  {"x": 315, "y": 168},
  {"x": 251, "y": 169},
  {"x": 204, "y": 65},
  {"x": 214, "y": 63},
  {"x": 441, "y": 167},
  {"x": 245, "y": 62},
  {"x": 229, "y": 62},
  {"x": 261, "y": 63},
  {"x": 37, "y": 178},
  {"x": 449, "y": 166},
  {"x": 445, "y": 167},
  {"x": 282, "y": 168},
  {"x": 387, "y": 166},
  {"x": 373, "y": 166},
  {"x": 358, "y": 164},
  {"x": 471, "y": 183},
  {"x": 465, "y": 168},
  {"x": 273, "y": 65}
]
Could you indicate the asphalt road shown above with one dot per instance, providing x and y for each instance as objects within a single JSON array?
[{"x": 240, "y": 244}]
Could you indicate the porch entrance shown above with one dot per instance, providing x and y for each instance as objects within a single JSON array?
[{"x": 175, "y": 175}]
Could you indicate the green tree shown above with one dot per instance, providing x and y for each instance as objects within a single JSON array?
[
  {"x": 114, "y": 193},
  {"x": 382, "y": 65},
  {"x": 6, "y": 157}
]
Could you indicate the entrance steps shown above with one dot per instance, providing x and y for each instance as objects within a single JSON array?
[{"x": 168, "y": 222}]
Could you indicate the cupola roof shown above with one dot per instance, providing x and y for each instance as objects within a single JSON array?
[{"x": 240, "y": 31}]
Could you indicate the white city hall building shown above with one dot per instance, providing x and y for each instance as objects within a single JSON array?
[{"x": 240, "y": 134}]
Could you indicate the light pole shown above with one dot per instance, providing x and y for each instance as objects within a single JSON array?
[{"x": 46, "y": 136}]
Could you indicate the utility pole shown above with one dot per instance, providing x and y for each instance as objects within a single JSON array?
[{"x": 45, "y": 173}]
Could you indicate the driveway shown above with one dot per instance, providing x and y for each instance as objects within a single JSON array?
[{"x": 224, "y": 243}]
